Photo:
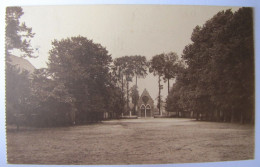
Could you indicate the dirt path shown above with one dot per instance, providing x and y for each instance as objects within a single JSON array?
[{"x": 137, "y": 141}]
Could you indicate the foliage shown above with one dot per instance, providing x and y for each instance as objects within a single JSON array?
[
  {"x": 128, "y": 67},
  {"x": 171, "y": 67},
  {"x": 17, "y": 95},
  {"x": 219, "y": 81},
  {"x": 157, "y": 65},
  {"x": 140, "y": 66},
  {"x": 50, "y": 100},
  {"x": 17, "y": 35},
  {"x": 83, "y": 68},
  {"x": 135, "y": 96}
]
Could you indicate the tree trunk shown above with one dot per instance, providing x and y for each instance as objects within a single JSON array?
[
  {"x": 136, "y": 80},
  {"x": 212, "y": 117},
  {"x": 241, "y": 117},
  {"x": 159, "y": 105},
  {"x": 221, "y": 116},
  {"x": 123, "y": 93},
  {"x": 207, "y": 116},
  {"x": 218, "y": 116},
  {"x": 134, "y": 109},
  {"x": 127, "y": 98},
  {"x": 122, "y": 86},
  {"x": 224, "y": 116},
  {"x": 168, "y": 86},
  {"x": 232, "y": 120}
]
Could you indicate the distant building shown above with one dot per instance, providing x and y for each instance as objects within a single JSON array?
[
  {"x": 145, "y": 105},
  {"x": 21, "y": 63}
]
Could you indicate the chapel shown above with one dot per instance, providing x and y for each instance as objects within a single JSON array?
[{"x": 145, "y": 105}]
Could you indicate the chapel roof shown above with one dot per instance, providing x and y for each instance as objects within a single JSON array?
[{"x": 146, "y": 93}]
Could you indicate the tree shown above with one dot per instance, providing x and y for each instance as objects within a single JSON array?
[
  {"x": 83, "y": 68},
  {"x": 114, "y": 101},
  {"x": 157, "y": 65},
  {"x": 238, "y": 42},
  {"x": 135, "y": 96},
  {"x": 218, "y": 83},
  {"x": 51, "y": 103},
  {"x": 199, "y": 56},
  {"x": 166, "y": 66},
  {"x": 17, "y": 35},
  {"x": 125, "y": 67},
  {"x": 174, "y": 100},
  {"x": 140, "y": 66},
  {"x": 171, "y": 67},
  {"x": 117, "y": 72},
  {"x": 17, "y": 95}
]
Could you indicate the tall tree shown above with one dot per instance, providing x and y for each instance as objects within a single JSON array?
[
  {"x": 171, "y": 67},
  {"x": 219, "y": 80},
  {"x": 140, "y": 66},
  {"x": 198, "y": 56},
  {"x": 17, "y": 35},
  {"x": 117, "y": 71},
  {"x": 83, "y": 67},
  {"x": 157, "y": 65},
  {"x": 238, "y": 41},
  {"x": 135, "y": 96},
  {"x": 125, "y": 66}
]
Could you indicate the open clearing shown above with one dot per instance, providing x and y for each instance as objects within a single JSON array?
[{"x": 135, "y": 141}]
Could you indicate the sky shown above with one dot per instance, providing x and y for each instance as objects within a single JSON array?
[{"x": 122, "y": 29}]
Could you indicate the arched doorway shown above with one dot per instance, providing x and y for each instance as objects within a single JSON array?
[
  {"x": 148, "y": 110},
  {"x": 143, "y": 111}
]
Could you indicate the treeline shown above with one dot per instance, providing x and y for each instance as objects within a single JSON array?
[
  {"x": 82, "y": 83},
  {"x": 77, "y": 86},
  {"x": 218, "y": 83}
]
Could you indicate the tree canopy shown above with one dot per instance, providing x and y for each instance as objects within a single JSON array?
[
  {"x": 83, "y": 67},
  {"x": 128, "y": 67},
  {"x": 17, "y": 35},
  {"x": 219, "y": 80},
  {"x": 157, "y": 65}
]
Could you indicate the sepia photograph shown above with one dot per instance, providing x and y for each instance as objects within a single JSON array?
[{"x": 129, "y": 84}]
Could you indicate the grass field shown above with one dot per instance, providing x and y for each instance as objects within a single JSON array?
[{"x": 133, "y": 141}]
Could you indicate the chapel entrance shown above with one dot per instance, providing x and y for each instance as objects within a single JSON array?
[
  {"x": 142, "y": 111},
  {"x": 145, "y": 105},
  {"x": 146, "y": 111}
]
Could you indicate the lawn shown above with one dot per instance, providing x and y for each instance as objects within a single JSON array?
[{"x": 132, "y": 141}]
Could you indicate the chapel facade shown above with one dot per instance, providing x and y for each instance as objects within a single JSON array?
[{"x": 145, "y": 105}]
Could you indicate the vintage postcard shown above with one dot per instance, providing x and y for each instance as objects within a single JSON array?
[{"x": 129, "y": 84}]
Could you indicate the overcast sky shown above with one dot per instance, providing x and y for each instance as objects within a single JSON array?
[{"x": 123, "y": 29}]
